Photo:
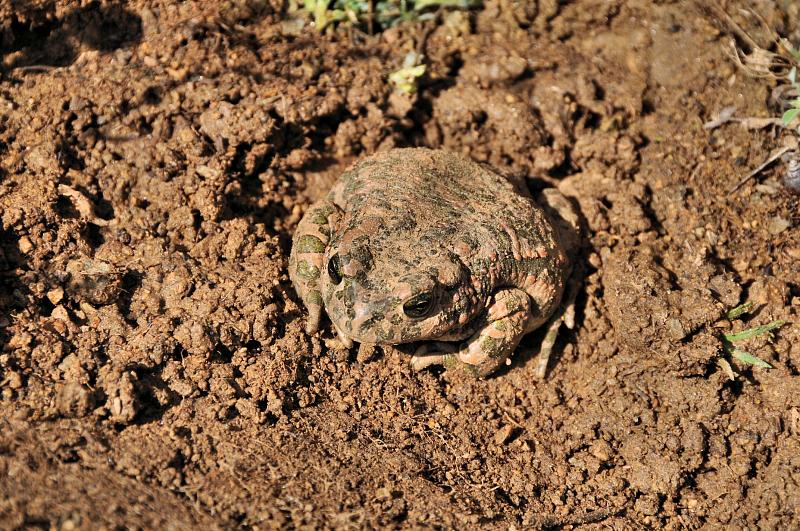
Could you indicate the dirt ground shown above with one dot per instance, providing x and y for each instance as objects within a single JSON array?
[{"x": 155, "y": 157}]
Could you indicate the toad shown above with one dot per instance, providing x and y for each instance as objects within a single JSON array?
[{"x": 418, "y": 245}]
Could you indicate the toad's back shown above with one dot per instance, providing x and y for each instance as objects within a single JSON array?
[
  {"x": 408, "y": 201},
  {"x": 436, "y": 196}
]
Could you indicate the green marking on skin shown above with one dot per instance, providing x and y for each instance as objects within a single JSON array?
[
  {"x": 320, "y": 217},
  {"x": 307, "y": 271},
  {"x": 450, "y": 361},
  {"x": 500, "y": 325},
  {"x": 490, "y": 346},
  {"x": 472, "y": 370},
  {"x": 309, "y": 244},
  {"x": 513, "y": 305},
  {"x": 314, "y": 297}
]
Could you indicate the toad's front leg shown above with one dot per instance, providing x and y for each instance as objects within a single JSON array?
[
  {"x": 306, "y": 259},
  {"x": 506, "y": 321}
]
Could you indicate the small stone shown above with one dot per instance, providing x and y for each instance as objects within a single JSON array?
[
  {"x": 675, "y": 329},
  {"x": 777, "y": 225},
  {"x": 55, "y": 295},
  {"x": 503, "y": 434},
  {"x": 292, "y": 26},
  {"x": 365, "y": 353},
  {"x": 25, "y": 245},
  {"x": 767, "y": 188},
  {"x": 77, "y": 104},
  {"x": 14, "y": 380},
  {"x": 20, "y": 341},
  {"x": 70, "y": 364},
  {"x": 116, "y": 407},
  {"x": 247, "y": 408},
  {"x": 186, "y": 135},
  {"x": 94, "y": 281},
  {"x": 601, "y": 450},
  {"x": 182, "y": 387},
  {"x": 177, "y": 74},
  {"x": 206, "y": 171},
  {"x": 60, "y": 313},
  {"x": 74, "y": 400},
  {"x": 794, "y": 421},
  {"x": 123, "y": 402}
]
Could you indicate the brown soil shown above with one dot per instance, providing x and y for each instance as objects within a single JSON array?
[{"x": 154, "y": 369}]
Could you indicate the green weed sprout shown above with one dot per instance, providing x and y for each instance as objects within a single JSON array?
[
  {"x": 323, "y": 16},
  {"x": 385, "y": 13},
  {"x": 728, "y": 339},
  {"x": 794, "y": 52},
  {"x": 794, "y": 110},
  {"x": 405, "y": 79}
]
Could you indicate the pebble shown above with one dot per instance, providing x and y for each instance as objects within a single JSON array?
[
  {"x": 60, "y": 313},
  {"x": 601, "y": 450},
  {"x": 503, "y": 434},
  {"x": 25, "y": 245},
  {"x": 55, "y": 295},
  {"x": 777, "y": 225},
  {"x": 14, "y": 380}
]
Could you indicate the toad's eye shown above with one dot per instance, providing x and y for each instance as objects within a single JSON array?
[
  {"x": 418, "y": 305},
  {"x": 335, "y": 269}
]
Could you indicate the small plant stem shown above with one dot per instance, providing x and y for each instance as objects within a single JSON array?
[{"x": 778, "y": 153}]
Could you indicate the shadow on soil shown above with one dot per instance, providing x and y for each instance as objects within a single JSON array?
[
  {"x": 12, "y": 289},
  {"x": 39, "y": 39}
]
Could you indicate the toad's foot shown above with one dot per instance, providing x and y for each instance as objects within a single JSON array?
[
  {"x": 490, "y": 347},
  {"x": 432, "y": 353},
  {"x": 565, "y": 316},
  {"x": 305, "y": 262}
]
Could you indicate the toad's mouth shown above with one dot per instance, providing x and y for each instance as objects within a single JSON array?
[
  {"x": 379, "y": 328},
  {"x": 376, "y": 330}
]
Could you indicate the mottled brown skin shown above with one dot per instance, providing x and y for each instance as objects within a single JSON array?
[{"x": 423, "y": 245}]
